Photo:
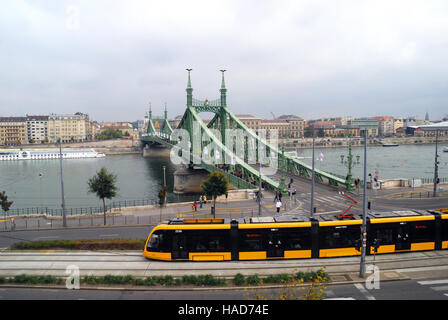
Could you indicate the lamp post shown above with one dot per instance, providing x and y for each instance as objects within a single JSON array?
[
  {"x": 364, "y": 213},
  {"x": 40, "y": 178},
  {"x": 312, "y": 181},
  {"x": 436, "y": 166},
  {"x": 64, "y": 220},
  {"x": 350, "y": 165}
]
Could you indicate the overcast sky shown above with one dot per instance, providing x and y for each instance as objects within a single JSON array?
[{"x": 310, "y": 58}]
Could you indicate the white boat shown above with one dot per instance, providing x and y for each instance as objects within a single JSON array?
[
  {"x": 445, "y": 149},
  {"x": 45, "y": 154}
]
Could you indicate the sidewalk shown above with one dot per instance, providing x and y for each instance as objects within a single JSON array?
[{"x": 145, "y": 215}]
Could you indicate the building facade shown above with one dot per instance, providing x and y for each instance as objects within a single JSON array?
[
  {"x": 37, "y": 129},
  {"x": 13, "y": 131},
  {"x": 70, "y": 128}
]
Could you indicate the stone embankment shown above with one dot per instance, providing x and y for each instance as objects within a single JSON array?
[{"x": 326, "y": 142}]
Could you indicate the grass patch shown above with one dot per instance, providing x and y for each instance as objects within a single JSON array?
[
  {"x": 207, "y": 280},
  {"x": 255, "y": 280},
  {"x": 106, "y": 244}
]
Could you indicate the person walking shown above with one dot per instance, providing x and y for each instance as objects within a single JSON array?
[
  {"x": 278, "y": 205},
  {"x": 195, "y": 206},
  {"x": 200, "y": 201},
  {"x": 13, "y": 224}
]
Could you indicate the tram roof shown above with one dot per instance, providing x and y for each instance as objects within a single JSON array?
[
  {"x": 247, "y": 220},
  {"x": 303, "y": 218}
]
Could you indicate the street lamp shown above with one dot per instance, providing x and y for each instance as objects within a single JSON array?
[
  {"x": 312, "y": 181},
  {"x": 364, "y": 213},
  {"x": 40, "y": 178},
  {"x": 436, "y": 167},
  {"x": 64, "y": 220},
  {"x": 350, "y": 165}
]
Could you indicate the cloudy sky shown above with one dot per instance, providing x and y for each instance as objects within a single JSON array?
[{"x": 312, "y": 58}]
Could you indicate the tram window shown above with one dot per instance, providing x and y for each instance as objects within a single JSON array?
[
  {"x": 297, "y": 239},
  {"x": 384, "y": 236},
  {"x": 444, "y": 230},
  {"x": 423, "y": 231},
  {"x": 251, "y": 240},
  {"x": 208, "y": 241},
  {"x": 337, "y": 237},
  {"x": 157, "y": 242}
]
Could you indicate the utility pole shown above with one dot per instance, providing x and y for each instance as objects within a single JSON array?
[
  {"x": 312, "y": 182},
  {"x": 436, "y": 166},
  {"x": 64, "y": 221},
  {"x": 259, "y": 188},
  {"x": 364, "y": 213},
  {"x": 41, "y": 205}
]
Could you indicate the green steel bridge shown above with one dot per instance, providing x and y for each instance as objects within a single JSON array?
[{"x": 237, "y": 153}]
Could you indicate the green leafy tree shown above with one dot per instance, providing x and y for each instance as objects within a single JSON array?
[
  {"x": 5, "y": 204},
  {"x": 103, "y": 184},
  {"x": 162, "y": 195},
  {"x": 162, "y": 199},
  {"x": 214, "y": 186}
]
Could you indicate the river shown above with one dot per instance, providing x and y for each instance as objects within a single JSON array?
[{"x": 142, "y": 178}]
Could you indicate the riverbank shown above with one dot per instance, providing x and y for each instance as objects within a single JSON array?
[
  {"x": 119, "y": 146},
  {"x": 326, "y": 142}
]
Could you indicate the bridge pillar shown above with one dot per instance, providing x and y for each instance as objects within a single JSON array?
[
  {"x": 155, "y": 151},
  {"x": 188, "y": 180}
]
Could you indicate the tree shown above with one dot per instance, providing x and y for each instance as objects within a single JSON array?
[
  {"x": 215, "y": 185},
  {"x": 162, "y": 199},
  {"x": 103, "y": 185},
  {"x": 162, "y": 195},
  {"x": 5, "y": 204}
]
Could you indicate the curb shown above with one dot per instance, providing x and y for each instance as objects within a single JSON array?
[
  {"x": 401, "y": 277},
  {"x": 177, "y": 288}
]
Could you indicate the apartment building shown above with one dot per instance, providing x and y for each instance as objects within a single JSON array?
[
  {"x": 70, "y": 128},
  {"x": 13, "y": 131},
  {"x": 37, "y": 129},
  {"x": 250, "y": 121},
  {"x": 296, "y": 125},
  {"x": 286, "y": 125}
]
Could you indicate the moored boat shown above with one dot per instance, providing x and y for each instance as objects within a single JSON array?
[{"x": 390, "y": 145}]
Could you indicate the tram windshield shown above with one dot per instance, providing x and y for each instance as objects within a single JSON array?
[{"x": 155, "y": 241}]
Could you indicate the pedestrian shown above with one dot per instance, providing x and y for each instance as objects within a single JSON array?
[
  {"x": 205, "y": 199},
  {"x": 200, "y": 201},
  {"x": 195, "y": 205},
  {"x": 278, "y": 205},
  {"x": 13, "y": 224}
]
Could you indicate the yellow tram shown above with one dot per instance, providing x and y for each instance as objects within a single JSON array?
[{"x": 298, "y": 237}]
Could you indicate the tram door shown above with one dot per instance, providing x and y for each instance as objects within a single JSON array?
[
  {"x": 275, "y": 246},
  {"x": 179, "y": 248},
  {"x": 403, "y": 241}
]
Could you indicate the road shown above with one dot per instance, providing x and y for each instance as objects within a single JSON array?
[
  {"x": 414, "y": 289},
  {"x": 134, "y": 232}
]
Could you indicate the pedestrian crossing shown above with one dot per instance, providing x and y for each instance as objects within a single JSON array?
[
  {"x": 439, "y": 285},
  {"x": 323, "y": 203}
]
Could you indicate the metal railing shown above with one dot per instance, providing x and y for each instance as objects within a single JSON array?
[{"x": 84, "y": 210}]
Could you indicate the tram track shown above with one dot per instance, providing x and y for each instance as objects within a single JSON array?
[{"x": 102, "y": 263}]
